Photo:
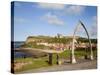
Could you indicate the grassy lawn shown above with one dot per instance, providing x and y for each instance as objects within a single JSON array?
[
  {"x": 43, "y": 61},
  {"x": 38, "y": 62},
  {"x": 35, "y": 63}
]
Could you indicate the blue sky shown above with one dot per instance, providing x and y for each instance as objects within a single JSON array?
[{"x": 32, "y": 19}]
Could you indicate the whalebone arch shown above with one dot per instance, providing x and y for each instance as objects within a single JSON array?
[{"x": 73, "y": 60}]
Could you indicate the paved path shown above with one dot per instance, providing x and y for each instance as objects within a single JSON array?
[{"x": 81, "y": 65}]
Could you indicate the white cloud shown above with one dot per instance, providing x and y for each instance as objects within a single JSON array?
[
  {"x": 51, "y": 6},
  {"x": 52, "y": 19},
  {"x": 93, "y": 30},
  {"x": 21, "y": 20},
  {"x": 95, "y": 19},
  {"x": 80, "y": 28},
  {"x": 66, "y": 9},
  {"x": 75, "y": 9}
]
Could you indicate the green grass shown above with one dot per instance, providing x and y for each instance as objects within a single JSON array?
[
  {"x": 36, "y": 63},
  {"x": 42, "y": 61},
  {"x": 39, "y": 62}
]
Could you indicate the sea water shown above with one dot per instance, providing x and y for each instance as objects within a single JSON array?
[{"x": 19, "y": 54}]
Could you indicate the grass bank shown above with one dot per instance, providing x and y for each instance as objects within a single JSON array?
[{"x": 35, "y": 63}]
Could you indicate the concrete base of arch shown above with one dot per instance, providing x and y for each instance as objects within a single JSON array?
[
  {"x": 91, "y": 57},
  {"x": 73, "y": 60}
]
